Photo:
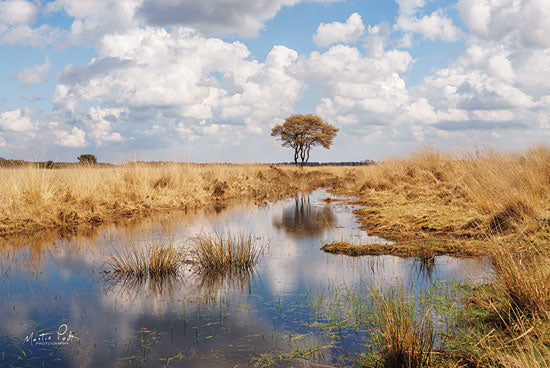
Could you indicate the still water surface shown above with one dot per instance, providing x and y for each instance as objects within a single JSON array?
[{"x": 61, "y": 290}]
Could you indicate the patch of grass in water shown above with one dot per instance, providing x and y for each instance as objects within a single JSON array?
[
  {"x": 157, "y": 258},
  {"x": 424, "y": 249},
  {"x": 306, "y": 353},
  {"x": 341, "y": 247},
  {"x": 398, "y": 325},
  {"x": 223, "y": 252}
]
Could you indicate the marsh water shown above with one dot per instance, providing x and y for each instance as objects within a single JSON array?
[{"x": 59, "y": 308}]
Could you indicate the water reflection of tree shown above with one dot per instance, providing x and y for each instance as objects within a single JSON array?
[{"x": 303, "y": 219}]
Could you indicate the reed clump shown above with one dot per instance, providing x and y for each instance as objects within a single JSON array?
[
  {"x": 224, "y": 252},
  {"x": 155, "y": 259},
  {"x": 524, "y": 280},
  {"x": 403, "y": 332}
]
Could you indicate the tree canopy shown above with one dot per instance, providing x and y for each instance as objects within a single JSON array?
[
  {"x": 87, "y": 158},
  {"x": 301, "y": 132}
]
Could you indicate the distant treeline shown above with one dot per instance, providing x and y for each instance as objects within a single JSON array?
[
  {"x": 4, "y": 162},
  {"x": 59, "y": 165},
  {"x": 46, "y": 164},
  {"x": 346, "y": 163}
]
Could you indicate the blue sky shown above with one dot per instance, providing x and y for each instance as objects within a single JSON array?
[{"x": 206, "y": 81}]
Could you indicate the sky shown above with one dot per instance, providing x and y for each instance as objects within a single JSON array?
[{"x": 189, "y": 80}]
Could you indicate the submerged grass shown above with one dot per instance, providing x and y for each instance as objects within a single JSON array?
[
  {"x": 223, "y": 252},
  {"x": 400, "y": 327}
]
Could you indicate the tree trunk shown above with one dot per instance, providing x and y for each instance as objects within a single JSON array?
[
  {"x": 307, "y": 151},
  {"x": 296, "y": 156}
]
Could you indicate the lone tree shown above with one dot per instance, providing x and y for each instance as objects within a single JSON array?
[
  {"x": 87, "y": 159},
  {"x": 301, "y": 132}
]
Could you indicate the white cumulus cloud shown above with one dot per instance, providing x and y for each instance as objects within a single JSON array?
[
  {"x": 35, "y": 74},
  {"x": 16, "y": 12},
  {"x": 358, "y": 89},
  {"x": 433, "y": 26},
  {"x": 75, "y": 138},
  {"x": 178, "y": 79},
  {"x": 15, "y": 121},
  {"x": 101, "y": 128},
  {"x": 336, "y": 32},
  {"x": 524, "y": 22}
]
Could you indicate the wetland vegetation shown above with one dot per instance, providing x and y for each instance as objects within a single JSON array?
[{"x": 450, "y": 267}]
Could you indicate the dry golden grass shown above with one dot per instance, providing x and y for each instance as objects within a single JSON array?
[
  {"x": 530, "y": 357},
  {"x": 524, "y": 280},
  {"x": 517, "y": 308},
  {"x": 34, "y": 198},
  {"x": 459, "y": 199},
  {"x": 403, "y": 336}
]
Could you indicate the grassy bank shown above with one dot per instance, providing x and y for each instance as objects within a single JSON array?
[
  {"x": 455, "y": 203},
  {"x": 33, "y": 198}
]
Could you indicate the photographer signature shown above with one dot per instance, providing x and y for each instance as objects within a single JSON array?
[{"x": 60, "y": 337}]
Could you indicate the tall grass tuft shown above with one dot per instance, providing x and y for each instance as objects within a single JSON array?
[
  {"x": 224, "y": 252},
  {"x": 524, "y": 281},
  {"x": 516, "y": 310},
  {"x": 155, "y": 259},
  {"x": 403, "y": 337}
]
